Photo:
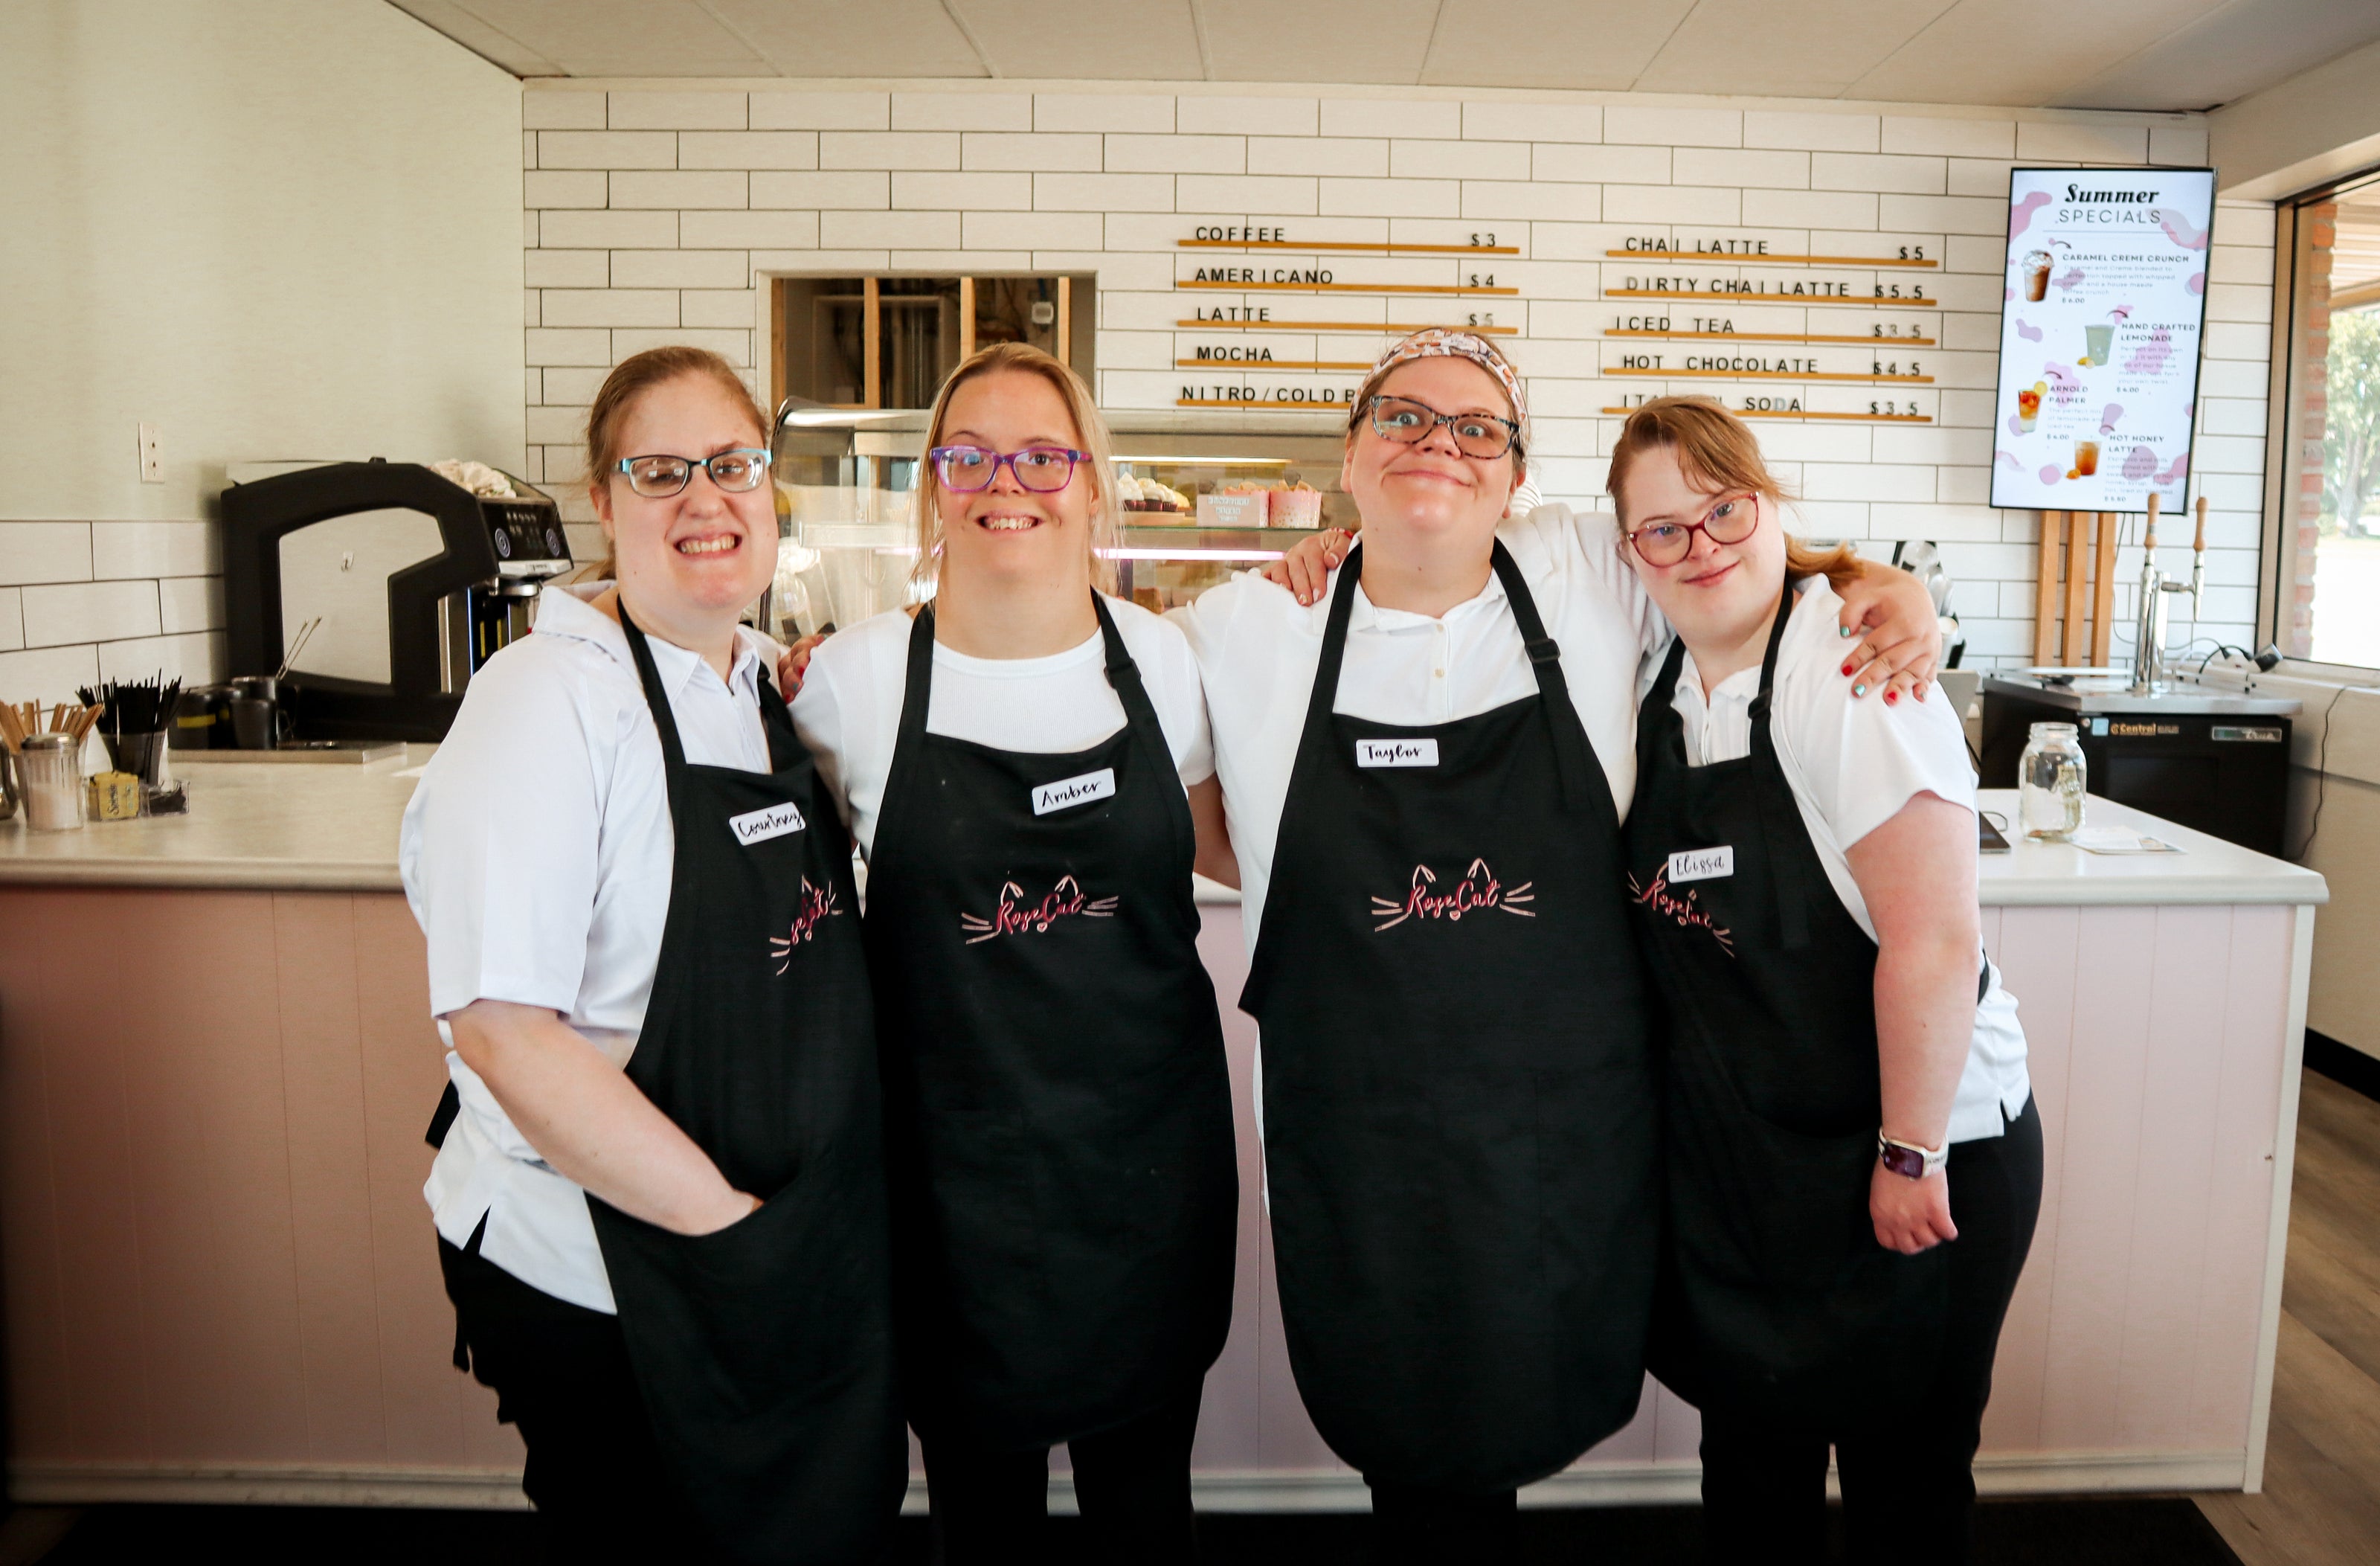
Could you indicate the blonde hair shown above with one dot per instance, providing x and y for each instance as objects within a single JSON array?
[
  {"x": 1390, "y": 364},
  {"x": 1717, "y": 450},
  {"x": 1089, "y": 428},
  {"x": 630, "y": 380}
]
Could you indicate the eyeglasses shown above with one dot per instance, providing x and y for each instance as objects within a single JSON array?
[
  {"x": 1409, "y": 422},
  {"x": 1042, "y": 469},
  {"x": 658, "y": 478},
  {"x": 1732, "y": 521}
]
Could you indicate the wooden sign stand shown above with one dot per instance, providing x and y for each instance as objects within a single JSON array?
[{"x": 2086, "y": 543}]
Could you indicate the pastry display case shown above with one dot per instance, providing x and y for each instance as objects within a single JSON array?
[{"x": 1203, "y": 496}]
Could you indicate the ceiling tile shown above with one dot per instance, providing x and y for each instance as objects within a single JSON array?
[
  {"x": 623, "y": 37},
  {"x": 835, "y": 38},
  {"x": 1355, "y": 41},
  {"x": 1590, "y": 45},
  {"x": 1086, "y": 39},
  {"x": 488, "y": 43},
  {"x": 2233, "y": 51},
  {"x": 2019, "y": 52},
  {"x": 1810, "y": 48}
]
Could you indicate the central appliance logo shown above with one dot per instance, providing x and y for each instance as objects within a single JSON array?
[
  {"x": 818, "y": 902},
  {"x": 1015, "y": 915},
  {"x": 1475, "y": 893}
]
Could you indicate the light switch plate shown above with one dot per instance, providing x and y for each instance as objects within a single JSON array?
[{"x": 152, "y": 460}]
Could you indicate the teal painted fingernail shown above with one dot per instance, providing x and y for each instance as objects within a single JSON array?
[
  {"x": 1842, "y": 630},
  {"x": 1859, "y": 691}
]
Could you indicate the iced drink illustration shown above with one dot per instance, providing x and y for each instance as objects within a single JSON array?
[
  {"x": 2086, "y": 459},
  {"x": 2099, "y": 343},
  {"x": 2028, "y": 406},
  {"x": 2036, "y": 275}
]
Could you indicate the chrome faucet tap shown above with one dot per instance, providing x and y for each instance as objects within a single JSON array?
[{"x": 2148, "y": 634}]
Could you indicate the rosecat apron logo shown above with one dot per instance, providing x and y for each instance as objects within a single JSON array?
[
  {"x": 1396, "y": 753},
  {"x": 1475, "y": 893},
  {"x": 818, "y": 902},
  {"x": 1014, "y": 915},
  {"x": 1058, "y": 796},
  {"x": 1701, "y": 864},
  {"x": 759, "y": 826}
]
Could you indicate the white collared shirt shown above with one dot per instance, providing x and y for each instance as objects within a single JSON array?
[
  {"x": 849, "y": 709},
  {"x": 1853, "y": 764},
  {"x": 536, "y": 855},
  {"x": 1258, "y": 649}
]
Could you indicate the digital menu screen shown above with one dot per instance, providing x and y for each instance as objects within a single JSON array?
[{"x": 2104, "y": 304}]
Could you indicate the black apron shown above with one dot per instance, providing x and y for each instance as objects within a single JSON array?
[
  {"x": 764, "y": 1351},
  {"x": 1777, "y": 1300},
  {"x": 1066, "y": 1184},
  {"x": 1459, "y": 1106}
]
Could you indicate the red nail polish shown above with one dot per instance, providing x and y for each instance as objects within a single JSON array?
[
  {"x": 1890, "y": 697},
  {"x": 1847, "y": 668}
]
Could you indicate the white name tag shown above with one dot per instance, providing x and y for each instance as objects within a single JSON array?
[
  {"x": 1702, "y": 864},
  {"x": 1396, "y": 753},
  {"x": 759, "y": 826},
  {"x": 1058, "y": 796}
]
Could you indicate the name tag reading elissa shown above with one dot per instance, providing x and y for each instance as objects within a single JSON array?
[
  {"x": 1701, "y": 864},
  {"x": 1396, "y": 753},
  {"x": 759, "y": 826},
  {"x": 1066, "y": 792}
]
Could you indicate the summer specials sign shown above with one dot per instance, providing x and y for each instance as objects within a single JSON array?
[{"x": 2105, "y": 301}]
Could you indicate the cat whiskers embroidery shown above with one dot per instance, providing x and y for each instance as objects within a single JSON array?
[
  {"x": 1477, "y": 890},
  {"x": 1015, "y": 915}
]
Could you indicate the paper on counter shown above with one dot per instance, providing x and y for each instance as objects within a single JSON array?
[{"x": 2109, "y": 840}]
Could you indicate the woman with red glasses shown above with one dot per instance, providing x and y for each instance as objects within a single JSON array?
[
  {"x": 1024, "y": 761},
  {"x": 1426, "y": 776},
  {"x": 1853, "y": 1159}
]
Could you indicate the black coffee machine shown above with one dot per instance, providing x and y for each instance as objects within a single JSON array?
[{"x": 389, "y": 582}]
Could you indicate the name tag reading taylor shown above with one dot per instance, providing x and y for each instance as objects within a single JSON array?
[
  {"x": 1702, "y": 864},
  {"x": 759, "y": 826},
  {"x": 1058, "y": 796},
  {"x": 1396, "y": 753}
]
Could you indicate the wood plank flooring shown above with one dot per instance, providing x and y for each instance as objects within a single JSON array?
[{"x": 2321, "y": 1502}]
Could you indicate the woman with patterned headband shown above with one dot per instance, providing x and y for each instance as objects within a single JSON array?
[{"x": 1425, "y": 777}]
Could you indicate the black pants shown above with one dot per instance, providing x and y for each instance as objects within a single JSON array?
[
  {"x": 561, "y": 1377},
  {"x": 1131, "y": 1482},
  {"x": 1909, "y": 1490},
  {"x": 1411, "y": 1527}
]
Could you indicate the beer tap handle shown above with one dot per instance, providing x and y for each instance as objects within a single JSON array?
[
  {"x": 2198, "y": 566},
  {"x": 2148, "y": 542},
  {"x": 2200, "y": 545}
]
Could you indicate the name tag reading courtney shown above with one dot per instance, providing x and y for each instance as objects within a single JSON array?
[
  {"x": 1396, "y": 753},
  {"x": 759, "y": 826},
  {"x": 1701, "y": 864},
  {"x": 1067, "y": 792}
]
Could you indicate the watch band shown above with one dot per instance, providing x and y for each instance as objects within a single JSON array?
[{"x": 1910, "y": 1160}]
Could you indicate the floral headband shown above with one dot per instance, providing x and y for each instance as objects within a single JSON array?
[{"x": 1440, "y": 342}]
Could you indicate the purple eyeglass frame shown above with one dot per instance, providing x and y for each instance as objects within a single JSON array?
[{"x": 1073, "y": 460}]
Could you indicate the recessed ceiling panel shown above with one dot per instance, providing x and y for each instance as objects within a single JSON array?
[
  {"x": 1365, "y": 41},
  {"x": 2021, "y": 52},
  {"x": 1588, "y": 45},
  {"x": 880, "y": 38},
  {"x": 2229, "y": 53},
  {"x": 1812, "y": 49},
  {"x": 1123, "y": 40},
  {"x": 623, "y": 37}
]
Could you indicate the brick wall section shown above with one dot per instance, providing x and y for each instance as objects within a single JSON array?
[
  {"x": 656, "y": 216},
  {"x": 83, "y": 602},
  {"x": 2310, "y": 374}
]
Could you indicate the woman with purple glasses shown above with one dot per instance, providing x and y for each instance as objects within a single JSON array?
[{"x": 1025, "y": 762}]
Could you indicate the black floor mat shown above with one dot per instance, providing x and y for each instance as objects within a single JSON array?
[{"x": 2125, "y": 1531}]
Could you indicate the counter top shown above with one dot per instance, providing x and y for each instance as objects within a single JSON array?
[
  {"x": 332, "y": 827},
  {"x": 2206, "y": 870},
  {"x": 2183, "y": 699}
]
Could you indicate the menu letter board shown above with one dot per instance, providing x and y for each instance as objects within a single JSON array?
[{"x": 2103, "y": 308}]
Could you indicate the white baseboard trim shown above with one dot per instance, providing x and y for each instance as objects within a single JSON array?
[{"x": 1600, "y": 1484}]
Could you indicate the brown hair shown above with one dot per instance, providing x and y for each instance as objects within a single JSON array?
[
  {"x": 1371, "y": 387},
  {"x": 631, "y": 379},
  {"x": 1716, "y": 449},
  {"x": 1089, "y": 428}
]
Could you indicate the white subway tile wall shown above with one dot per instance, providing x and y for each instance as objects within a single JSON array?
[
  {"x": 654, "y": 216},
  {"x": 83, "y": 602}
]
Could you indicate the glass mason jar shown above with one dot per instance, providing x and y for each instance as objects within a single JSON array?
[{"x": 2050, "y": 779}]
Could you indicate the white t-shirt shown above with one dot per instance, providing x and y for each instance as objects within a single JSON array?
[
  {"x": 849, "y": 709},
  {"x": 536, "y": 855},
  {"x": 1853, "y": 764},
  {"x": 1258, "y": 649}
]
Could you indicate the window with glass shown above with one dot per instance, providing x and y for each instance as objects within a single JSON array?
[
  {"x": 888, "y": 342},
  {"x": 2326, "y": 586}
]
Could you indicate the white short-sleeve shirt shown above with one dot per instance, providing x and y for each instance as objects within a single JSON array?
[
  {"x": 536, "y": 855},
  {"x": 849, "y": 709},
  {"x": 1853, "y": 764},
  {"x": 1258, "y": 649}
]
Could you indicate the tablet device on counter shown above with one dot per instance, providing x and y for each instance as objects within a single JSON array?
[{"x": 1987, "y": 836}]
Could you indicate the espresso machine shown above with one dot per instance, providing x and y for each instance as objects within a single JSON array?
[{"x": 375, "y": 589}]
